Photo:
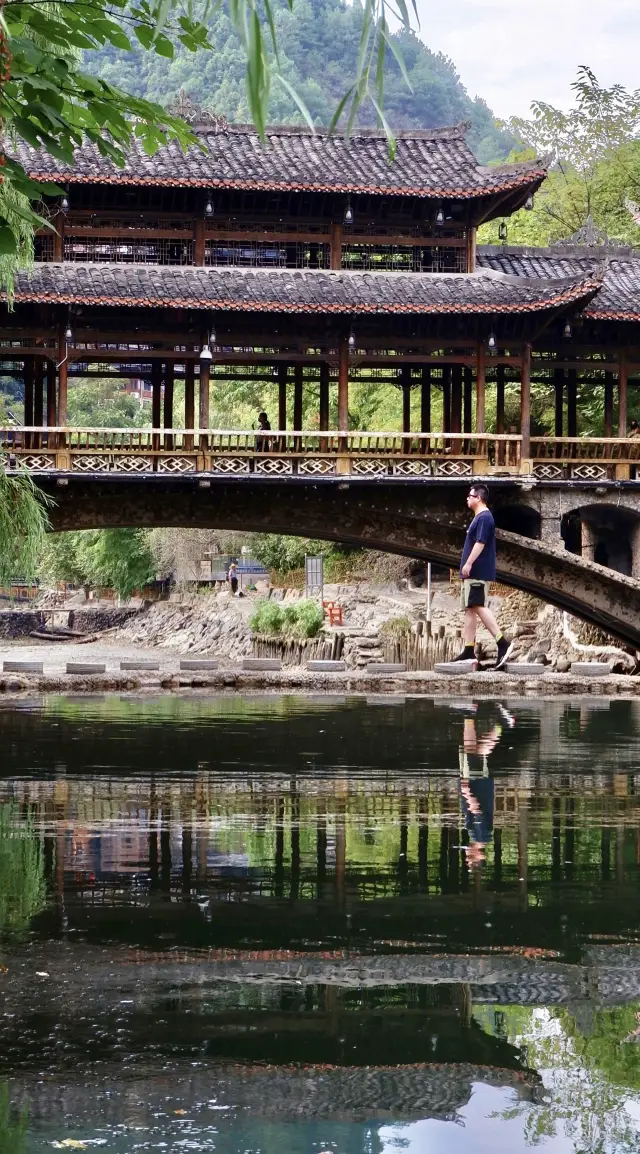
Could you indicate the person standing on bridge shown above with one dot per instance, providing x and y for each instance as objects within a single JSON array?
[{"x": 477, "y": 571}]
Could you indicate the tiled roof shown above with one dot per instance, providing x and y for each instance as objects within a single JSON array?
[
  {"x": 436, "y": 163},
  {"x": 299, "y": 291},
  {"x": 619, "y": 297}
]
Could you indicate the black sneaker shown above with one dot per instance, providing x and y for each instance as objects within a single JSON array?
[
  {"x": 505, "y": 649},
  {"x": 464, "y": 656}
]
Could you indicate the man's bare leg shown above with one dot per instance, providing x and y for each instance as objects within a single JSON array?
[
  {"x": 488, "y": 620},
  {"x": 470, "y": 625}
]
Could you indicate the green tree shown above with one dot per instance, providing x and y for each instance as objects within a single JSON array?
[
  {"x": 23, "y": 524},
  {"x": 13, "y": 1125},
  {"x": 119, "y": 559},
  {"x": 596, "y": 165}
]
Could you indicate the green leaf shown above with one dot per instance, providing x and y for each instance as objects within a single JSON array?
[{"x": 8, "y": 243}]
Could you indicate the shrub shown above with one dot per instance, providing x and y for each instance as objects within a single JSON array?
[
  {"x": 310, "y": 618},
  {"x": 266, "y": 618},
  {"x": 395, "y": 627}
]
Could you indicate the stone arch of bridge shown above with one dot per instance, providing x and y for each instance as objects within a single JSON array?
[
  {"x": 386, "y": 518},
  {"x": 606, "y": 533}
]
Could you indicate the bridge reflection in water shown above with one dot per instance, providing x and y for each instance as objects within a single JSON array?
[{"x": 269, "y": 904}]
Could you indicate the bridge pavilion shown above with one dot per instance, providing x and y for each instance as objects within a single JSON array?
[{"x": 316, "y": 262}]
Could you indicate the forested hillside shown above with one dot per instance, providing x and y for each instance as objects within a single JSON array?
[{"x": 318, "y": 50}]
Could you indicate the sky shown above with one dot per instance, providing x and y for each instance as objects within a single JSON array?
[{"x": 511, "y": 53}]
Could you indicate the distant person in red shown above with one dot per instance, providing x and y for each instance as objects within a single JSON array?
[{"x": 477, "y": 571}]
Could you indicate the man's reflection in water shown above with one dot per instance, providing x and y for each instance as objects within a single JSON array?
[{"x": 477, "y": 787}]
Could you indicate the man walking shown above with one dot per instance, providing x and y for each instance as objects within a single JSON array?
[{"x": 477, "y": 570}]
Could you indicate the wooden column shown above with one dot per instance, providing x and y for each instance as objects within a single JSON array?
[
  {"x": 558, "y": 384},
  {"x": 282, "y": 394},
  {"x": 156, "y": 400},
  {"x": 324, "y": 396},
  {"x": 425, "y": 400},
  {"x": 481, "y": 387},
  {"x": 467, "y": 420},
  {"x": 405, "y": 382},
  {"x": 572, "y": 403},
  {"x": 189, "y": 400},
  {"x": 63, "y": 367},
  {"x": 38, "y": 399},
  {"x": 298, "y": 380},
  {"x": 168, "y": 403},
  {"x": 199, "y": 241},
  {"x": 203, "y": 414},
  {"x": 446, "y": 398},
  {"x": 525, "y": 409},
  {"x": 52, "y": 409},
  {"x": 28, "y": 381},
  {"x": 343, "y": 404},
  {"x": 502, "y": 449},
  {"x": 623, "y": 374},
  {"x": 456, "y": 400},
  {"x": 608, "y": 404},
  {"x": 58, "y": 237},
  {"x": 335, "y": 252}
]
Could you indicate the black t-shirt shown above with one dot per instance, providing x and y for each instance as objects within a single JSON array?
[
  {"x": 480, "y": 825},
  {"x": 483, "y": 529}
]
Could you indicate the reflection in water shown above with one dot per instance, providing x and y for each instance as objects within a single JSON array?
[{"x": 293, "y": 924}]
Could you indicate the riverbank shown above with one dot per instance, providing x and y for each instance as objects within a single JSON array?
[{"x": 229, "y": 677}]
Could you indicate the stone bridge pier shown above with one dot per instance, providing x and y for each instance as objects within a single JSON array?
[{"x": 540, "y": 550}]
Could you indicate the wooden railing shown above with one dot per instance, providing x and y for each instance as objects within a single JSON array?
[{"x": 286, "y": 452}]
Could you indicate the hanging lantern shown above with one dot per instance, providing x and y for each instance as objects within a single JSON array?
[
  {"x": 528, "y": 204},
  {"x": 68, "y": 335},
  {"x": 502, "y": 231},
  {"x": 348, "y": 213},
  {"x": 212, "y": 337},
  {"x": 64, "y": 203},
  {"x": 567, "y": 331},
  {"x": 208, "y": 208},
  {"x": 352, "y": 340},
  {"x": 440, "y": 217},
  {"x": 205, "y": 353},
  {"x": 492, "y": 342}
]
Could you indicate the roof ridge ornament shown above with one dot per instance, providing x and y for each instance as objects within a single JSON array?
[
  {"x": 588, "y": 235},
  {"x": 193, "y": 113}
]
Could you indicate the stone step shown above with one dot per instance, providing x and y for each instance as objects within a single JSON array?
[
  {"x": 591, "y": 668},
  {"x": 195, "y": 664},
  {"x": 85, "y": 667},
  {"x": 139, "y": 665},
  {"x": 386, "y": 667},
  {"x": 456, "y": 668},
  {"x": 525, "y": 668},
  {"x": 22, "y": 667},
  {"x": 262, "y": 664},
  {"x": 326, "y": 666}
]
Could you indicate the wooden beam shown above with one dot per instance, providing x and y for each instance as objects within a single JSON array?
[
  {"x": 405, "y": 378},
  {"x": 58, "y": 236},
  {"x": 63, "y": 366},
  {"x": 481, "y": 379},
  {"x": 156, "y": 400},
  {"x": 608, "y": 405},
  {"x": 467, "y": 385},
  {"x": 500, "y": 375},
  {"x": 622, "y": 394},
  {"x": 38, "y": 398},
  {"x": 335, "y": 255},
  {"x": 572, "y": 403},
  {"x": 298, "y": 379},
  {"x": 324, "y": 396},
  {"x": 52, "y": 408},
  {"x": 168, "y": 403},
  {"x": 425, "y": 400},
  {"x": 283, "y": 369},
  {"x": 456, "y": 399},
  {"x": 189, "y": 401},
  {"x": 446, "y": 398},
  {"x": 28, "y": 374},
  {"x": 343, "y": 386},
  {"x": 558, "y": 382},
  {"x": 199, "y": 241},
  {"x": 204, "y": 405},
  {"x": 525, "y": 409}
]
